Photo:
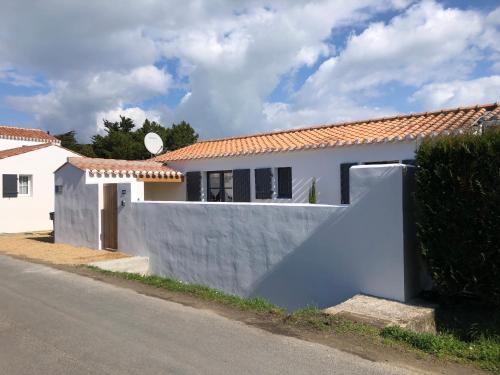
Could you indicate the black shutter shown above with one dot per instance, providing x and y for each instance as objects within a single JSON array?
[
  {"x": 241, "y": 185},
  {"x": 408, "y": 161},
  {"x": 263, "y": 183},
  {"x": 9, "y": 182},
  {"x": 193, "y": 186},
  {"x": 344, "y": 182},
  {"x": 285, "y": 182}
]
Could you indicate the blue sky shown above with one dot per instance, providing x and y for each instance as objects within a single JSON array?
[{"x": 239, "y": 67}]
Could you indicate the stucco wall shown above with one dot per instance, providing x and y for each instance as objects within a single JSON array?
[
  {"x": 77, "y": 220},
  {"x": 292, "y": 254},
  {"x": 31, "y": 213},
  {"x": 6, "y": 144},
  {"x": 174, "y": 191},
  {"x": 323, "y": 164}
]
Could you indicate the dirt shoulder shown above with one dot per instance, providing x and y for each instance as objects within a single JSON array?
[{"x": 39, "y": 246}]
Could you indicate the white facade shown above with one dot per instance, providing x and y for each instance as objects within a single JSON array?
[
  {"x": 29, "y": 211},
  {"x": 6, "y": 144},
  {"x": 320, "y": 164}
]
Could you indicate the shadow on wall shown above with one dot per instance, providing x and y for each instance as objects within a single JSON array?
[
  {"x": 341, "y": 244},
  {"x": 293, "y": 255}
]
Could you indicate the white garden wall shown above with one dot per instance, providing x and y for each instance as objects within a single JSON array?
[
  {"x": 292, "y": 254},
  {"x": 322, "y": 164}
]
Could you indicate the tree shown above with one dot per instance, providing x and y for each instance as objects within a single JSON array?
[
  {"x": 122, "y": 140},
  {"x": 68, "y": 140},
  {"x": 180, "y": 135}
]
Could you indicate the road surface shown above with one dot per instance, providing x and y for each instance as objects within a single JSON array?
[{"x": 55, "y": 322}]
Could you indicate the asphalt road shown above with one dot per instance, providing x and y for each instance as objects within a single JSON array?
[{"x": 54, "y": 322}]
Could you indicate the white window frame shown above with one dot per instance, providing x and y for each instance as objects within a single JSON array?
[{"x": 30, "y": 185}]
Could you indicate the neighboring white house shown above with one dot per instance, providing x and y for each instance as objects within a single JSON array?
[{"x": 28, "y": 159}]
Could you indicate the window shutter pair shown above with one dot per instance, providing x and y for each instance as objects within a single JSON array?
[
  {"x": 344, "y": 182},
  {"x": 241, "y": 185},
  {"x": 9, "y": 183},
  {"x": 263, "y": 183}
]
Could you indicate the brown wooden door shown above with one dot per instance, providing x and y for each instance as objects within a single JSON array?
[{"x": 110, "y": 217}]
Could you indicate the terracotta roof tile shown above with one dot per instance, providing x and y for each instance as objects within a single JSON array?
[
  {"x": 11, "y": 132},
  {"x": 140, "y": 168},
  {"x": 22, "y": 150},
  {"x": 389, "y": 129}
]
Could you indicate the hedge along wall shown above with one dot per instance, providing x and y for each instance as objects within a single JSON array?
[{"x": 458, "y": 222}]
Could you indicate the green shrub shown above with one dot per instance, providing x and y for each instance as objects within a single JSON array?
[
  {"x": 458, "y": 213},
  {"x": 312, "y": 192}
]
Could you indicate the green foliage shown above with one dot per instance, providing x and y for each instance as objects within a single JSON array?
[
  {"x": 200, "y": 291},
  {"x": 123, "y": 141},
  {"x": 68, "y": 140},
  {"x": 485, "y": 350},
  {"x": 312, "y": 192},
  {"x": 180, "y": 135},
  {"x": 458, "y": 216}
]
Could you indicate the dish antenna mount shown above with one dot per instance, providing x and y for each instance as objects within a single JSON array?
[{"x": 153, "y": 143}]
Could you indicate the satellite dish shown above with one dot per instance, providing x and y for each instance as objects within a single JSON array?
[{"x": 153, "y": 143}]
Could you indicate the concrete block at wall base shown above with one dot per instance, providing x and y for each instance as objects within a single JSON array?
[{"x": 384, "y": 313}]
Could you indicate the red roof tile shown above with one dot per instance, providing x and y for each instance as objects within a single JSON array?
[
  {"x": 22, "y": 150},
  {"x": 142, "y": 168},
  {"x": 389, "y": 129},
  {"x": 11, "y": 132}
]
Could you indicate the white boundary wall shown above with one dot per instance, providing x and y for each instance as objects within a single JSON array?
[{"x": 295, "y": 255}]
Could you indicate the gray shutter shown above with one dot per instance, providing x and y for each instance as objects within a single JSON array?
[
  {"x": 193, "y": 186},
  {"x": 263, "y": 183},
  {"x": 285, "y": 182},
  {"x": 9, "y": 182},
  {"x": 241, "y": 185},
  {"x": 344, "y": 182}
]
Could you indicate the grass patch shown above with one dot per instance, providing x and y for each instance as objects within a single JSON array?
[
  {"x": 312, "y": 317},
  {"x": 479, "y": 345},
  {"x": 484, "y": 351},
  {"x": 200, "y": 291}
]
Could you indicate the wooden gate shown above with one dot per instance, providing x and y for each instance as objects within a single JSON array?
[{"x": 110, "y": 217}]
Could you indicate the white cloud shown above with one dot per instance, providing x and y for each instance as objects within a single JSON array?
[
  {"x": 78, "y": 104},
  {"x": 137, "y": 114},
  {"x": 456, "y": 93},
  {"x": 100, "y": 60}
]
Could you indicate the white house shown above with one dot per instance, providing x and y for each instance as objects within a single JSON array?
[
  {"x": 277, "y": 167},
  {"x": 28, "y": 159}
]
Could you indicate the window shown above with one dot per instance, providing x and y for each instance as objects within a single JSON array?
[
  {"x": 24, "y": 185},
  {"x": 220, "y": 186},
  {"x": 285, "y": 183},
  {"x": 59, "y": 189}
]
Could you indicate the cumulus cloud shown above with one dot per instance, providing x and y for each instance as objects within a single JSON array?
[
  {"x": 79, "y": 103},
  {"x": 96, "y": 60},
  {"x": 455, "y": 93}
]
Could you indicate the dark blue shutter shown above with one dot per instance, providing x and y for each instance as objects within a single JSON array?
[
  {"x": 193, "y": 186},
  {"x": 263, "y": 183},
  {"x": 344, "y": 182},
  {"x": 285, "y": 182},
  {"x": 9, "y": 183},
  {"x": 241, "y": 185}
]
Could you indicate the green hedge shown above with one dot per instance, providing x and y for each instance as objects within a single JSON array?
[{"x": 458, "y": 216}]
